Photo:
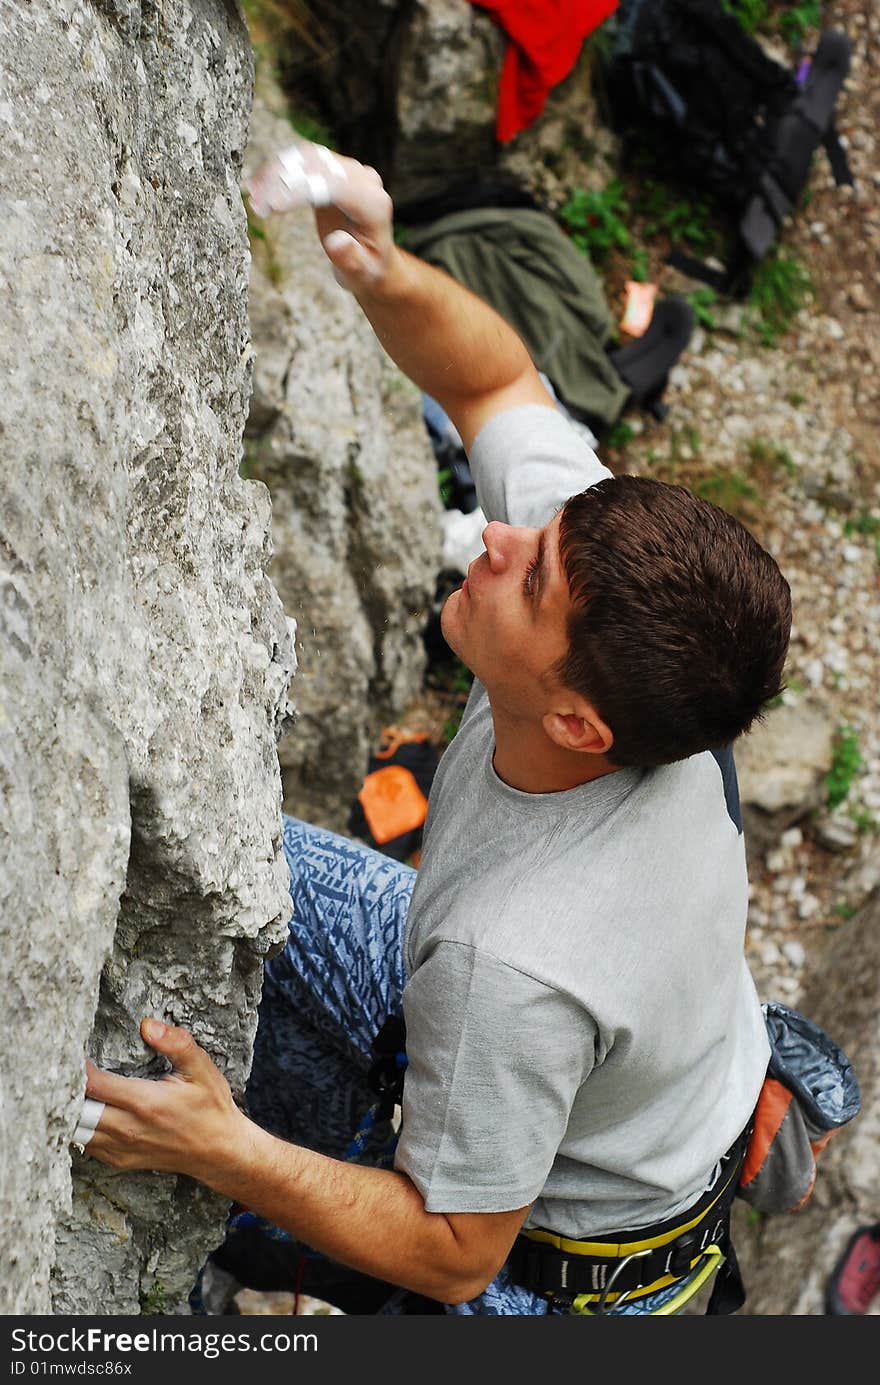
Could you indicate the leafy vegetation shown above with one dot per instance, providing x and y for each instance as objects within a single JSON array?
[
  {"x": 862, "y": 818},
  {"x": 863, "y": 523},
  {"x": 595, "y": 220},
  {"x": 681, "y": 218},
  {"x": 703, "y": 300},
  {"x": 791, "y": 20},
  {"x": 154, "y": 1300},
  {"x": 795, "y": 20},
  {"x": 770, "y": 454},
  {"x": 749, "y": 14},
  {"x": 620, "y": 434},
  {"x": 728, "y": 488},
  {"x": 457, "y": 682},
  {"x": 444, "y": 481},
  {"x": 641, "y": 265},
  {"x": 781, "y": 286},
  {"x": 310, "y": 128},
  {"x": 261, "y": 246},
  {"x": 845, "y": 765},
  {"x": 844, "y": 910}
]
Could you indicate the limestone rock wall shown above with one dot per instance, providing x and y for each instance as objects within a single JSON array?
[
  {"x": 144, "y": 655},
  {"x": 336, "y": 433}
]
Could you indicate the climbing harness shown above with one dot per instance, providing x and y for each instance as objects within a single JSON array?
[{"x": 594, "y": 1277}]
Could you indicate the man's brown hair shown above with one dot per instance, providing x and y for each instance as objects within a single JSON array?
[{"x": 680, "y": 620}]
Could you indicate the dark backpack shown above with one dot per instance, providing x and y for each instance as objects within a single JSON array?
[{"x": 685, "y": 82}]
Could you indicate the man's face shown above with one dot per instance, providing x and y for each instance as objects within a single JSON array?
[{"x": 508, "y": 622}]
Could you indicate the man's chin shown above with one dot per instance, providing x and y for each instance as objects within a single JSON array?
[{"x": 449, "y": 625}]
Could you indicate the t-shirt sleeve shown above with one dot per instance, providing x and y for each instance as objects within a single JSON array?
[
  {"x": 527, "y": 461},
  {"x": 495, "y": 1062}
]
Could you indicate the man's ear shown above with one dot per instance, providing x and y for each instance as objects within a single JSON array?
[{"x": 579, "y": 728}]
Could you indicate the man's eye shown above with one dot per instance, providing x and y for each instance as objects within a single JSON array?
[{"x": 528, "y": 577}]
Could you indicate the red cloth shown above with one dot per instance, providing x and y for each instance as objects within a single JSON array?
[{"x": 545, "y": 39}]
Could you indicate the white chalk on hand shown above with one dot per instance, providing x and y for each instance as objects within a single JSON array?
[
  {"x": 331, "y": 161},
  {"x": 302, "y": 175}
]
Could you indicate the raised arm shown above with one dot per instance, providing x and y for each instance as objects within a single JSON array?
[{"x": 448, "y": 341}]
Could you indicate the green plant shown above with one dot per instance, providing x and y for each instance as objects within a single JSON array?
[
  {"x": 254, "y": 229},
  {"x": 766, "y": 453},
  {"x": 845, "y": 764},
  {"x": 702, "y": 300},
  {"x": 595, "y": 220},
  {"x": 677, "y": 216},
  {"x": 796, "y": 398},
  {"x": 792, "y": 685},
  {"x": 780, "y": 288},
  {"x": 749, "y": 14},
  {"x": 456, "y": 680},
  {"x": 641, "y": 266},
  {"x": 863, "y": 523},
  {"x": 444, "y": 481},
  {"x": 620, "y": 434},
  {"x": 310, "y": 128},
  {"x": 154, "y": 1300},
  {"x": 844, "y": 910},
  {"x": 260, "y": 242},
  {"x": 862, "y": 818},
  {"x": 727, "y": 489},
  {"x": 794, "y": 22}
]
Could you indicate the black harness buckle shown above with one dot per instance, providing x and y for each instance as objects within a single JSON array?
[{"x": 386, "y": 1075}]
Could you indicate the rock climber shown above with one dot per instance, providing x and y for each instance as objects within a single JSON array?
[{"x": 584, "y": 1045}]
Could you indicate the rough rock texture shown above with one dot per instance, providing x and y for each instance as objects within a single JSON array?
[
  {"x": 336, "y": 433},
  {"x": 786, "y": 1259},
  {"x": 145, "y": 655},
  {"x": 449, "y": 57},
  {"x": 782, "y": 766},
  {"x": 411, "y": 86}
]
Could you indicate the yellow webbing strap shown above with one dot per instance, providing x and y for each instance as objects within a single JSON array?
[
  {"x": 616, "y": 1250},
  {"x": 619, "y": 1250},
  {"x": 714, "y": 1260}
]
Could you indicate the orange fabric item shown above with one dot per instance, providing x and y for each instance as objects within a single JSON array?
[
  {"x": 773, "y": 1103},
  {"x": 392, "y": 802},
  {"x": 396, "y": 738},
  {"x": 545, "y": 39}
]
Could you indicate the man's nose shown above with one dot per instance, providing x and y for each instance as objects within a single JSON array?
[{"x": 501, "y": 542}]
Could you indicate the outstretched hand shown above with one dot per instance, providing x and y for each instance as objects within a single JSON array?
[
  {"x": 185, "y": 1122},
  {"x": 353, "y": 211}
]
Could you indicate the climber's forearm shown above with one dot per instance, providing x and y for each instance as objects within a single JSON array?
[
  {"x": 449, "y": 342},
  {"x": 373, "y": 1220}
]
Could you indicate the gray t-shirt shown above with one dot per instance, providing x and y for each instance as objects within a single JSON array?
[{"x": 582, "y": 1029}]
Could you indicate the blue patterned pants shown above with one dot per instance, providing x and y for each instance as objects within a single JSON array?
[{"x": 325, "y": 998}]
